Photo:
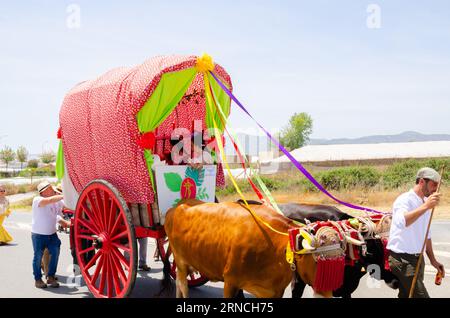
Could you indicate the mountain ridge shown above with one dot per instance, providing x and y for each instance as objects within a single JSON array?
[{"x": 407, "y": 136}]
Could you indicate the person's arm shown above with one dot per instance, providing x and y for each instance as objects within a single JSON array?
[
  {"x": 64, "y": 223},
  {"x": 433, "y": 261},
  {"x": 53, "y": 199},
  {"x": 60, "y": 216},
  {"x": 412, "y": 216}
]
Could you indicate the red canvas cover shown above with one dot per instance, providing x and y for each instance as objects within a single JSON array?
[{"x": 99, "y": 128}]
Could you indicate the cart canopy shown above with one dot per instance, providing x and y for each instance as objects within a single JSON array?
[{"x": 103, "y": 121}]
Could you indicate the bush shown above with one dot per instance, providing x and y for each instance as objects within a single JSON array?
[
  {"x": 229, "y": 187},
  {"x": 33, "y": 163},
  {"x": 401, "y": 173},
  {"x": 39, "y": 172},
  {"x": 22, "y": 188},
  {"x": 307, "y": 185},
  {"x": 274, "y": 183},
  {"x": 349, "y": 177},
  {"x": 404, "y": 173}
]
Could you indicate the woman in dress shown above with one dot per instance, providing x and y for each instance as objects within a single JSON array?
[{"x": 4, "y": 212}]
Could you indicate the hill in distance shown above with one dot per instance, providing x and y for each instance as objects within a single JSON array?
[{"x": 407, "y": 136}]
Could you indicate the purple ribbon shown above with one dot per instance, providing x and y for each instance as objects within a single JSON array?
[{"x": 297, "y": 164}]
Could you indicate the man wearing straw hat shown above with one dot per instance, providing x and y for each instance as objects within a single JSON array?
[
  {"x": 46, "y": 212},
  {"x": 411, "y": 215}
]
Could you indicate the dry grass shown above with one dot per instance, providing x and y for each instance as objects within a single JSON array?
[
  {"x": 12, "y": 189},
  {"x": 23, "y": 205},
  {"x": 381, "y": 200}
]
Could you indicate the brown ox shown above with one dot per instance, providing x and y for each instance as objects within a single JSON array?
[{"x": 224, "y": 242}]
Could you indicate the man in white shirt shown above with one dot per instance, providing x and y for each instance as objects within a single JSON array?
[
  {"x": 411, "y": 214},
  {"x": 46, "y": 213}
]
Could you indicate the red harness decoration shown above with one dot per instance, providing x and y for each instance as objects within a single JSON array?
[
  {"x": 353, "y": 255},
  {"x": 293, "y": 232},
  {"x": 330, "y": 270},
  {"x": 385, "y": 254},
  {"x": 330, "y": 273}
]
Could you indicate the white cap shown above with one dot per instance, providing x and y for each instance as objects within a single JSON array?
[{"x": 428, "y": 173}]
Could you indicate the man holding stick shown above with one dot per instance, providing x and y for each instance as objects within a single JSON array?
[{"x": 411, "y": 215}]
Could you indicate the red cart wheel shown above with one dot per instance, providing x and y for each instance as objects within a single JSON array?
[
  {"x": 194, "y": 279},
  {"x": 105, "y": 242}
]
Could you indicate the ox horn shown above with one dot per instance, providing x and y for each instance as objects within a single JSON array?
[
  {"x": 307, "y": 246},
  {"x": 353, "y": 241}
]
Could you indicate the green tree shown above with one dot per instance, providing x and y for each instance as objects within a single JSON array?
[
  {"x": 296, "y": 133},
  {"x": 33, "y": 163},
  {"x": 29, "y": 172},
  {"x": 48, "y": 157},
  {"x": 7, "y": 155},
  {"x": 22, "y": 155}
]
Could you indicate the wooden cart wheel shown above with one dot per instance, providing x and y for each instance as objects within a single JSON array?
[
  {"x": 108, "y": 262},
  {"x": 194, "y": 279}
]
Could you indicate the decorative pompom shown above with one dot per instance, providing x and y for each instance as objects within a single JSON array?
[
  {"x": 59, "y": 134},
  {"x": 147, "y": 140},
  {"x": 204, "y": 63}
]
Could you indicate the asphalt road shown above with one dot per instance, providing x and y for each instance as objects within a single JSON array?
[{"x": 16, "y": 279}]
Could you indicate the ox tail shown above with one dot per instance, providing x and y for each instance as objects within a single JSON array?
[{"x": 167, "y": 282}]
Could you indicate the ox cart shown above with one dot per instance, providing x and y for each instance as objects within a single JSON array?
[{"x": 111, "y": 130}]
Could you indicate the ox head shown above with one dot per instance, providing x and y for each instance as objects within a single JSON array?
[
  {"x": 329, "y": 255},
  {"x": 323, "y": 260},
  {"x": 377, "y": 253}
]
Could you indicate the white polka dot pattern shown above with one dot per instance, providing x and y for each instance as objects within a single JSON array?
[{"x": 99, "y": 128}]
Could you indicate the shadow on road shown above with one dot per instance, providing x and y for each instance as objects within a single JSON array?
[
  {"x": 3, "y": 245},
  {"x": 150, "y": 287}
]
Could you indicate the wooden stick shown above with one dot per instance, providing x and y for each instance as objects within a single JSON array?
[{"x": 413, "y": 285}]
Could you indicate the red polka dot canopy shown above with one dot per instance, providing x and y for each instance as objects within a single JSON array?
[{"x": 103, "y": 120}]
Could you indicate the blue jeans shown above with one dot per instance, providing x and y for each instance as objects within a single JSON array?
[{"x": 40, "y": 243}]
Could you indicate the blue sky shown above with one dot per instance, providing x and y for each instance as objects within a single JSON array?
[{"x": 284, "y": 57}]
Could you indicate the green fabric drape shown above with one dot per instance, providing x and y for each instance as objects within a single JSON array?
[
  {"x": 224, "y": 102},
  {"x": 169, "y": 92},
  {"x": 60, "y": 162},
  {"x": 164, "y": 99}
]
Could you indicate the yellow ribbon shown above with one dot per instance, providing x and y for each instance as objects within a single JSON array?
[
  {"x": 222, "y": 152},
  {"x": 289, "y": 254},
  {"x": 237, "y": 143}
]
